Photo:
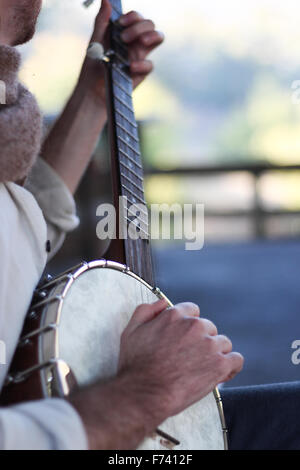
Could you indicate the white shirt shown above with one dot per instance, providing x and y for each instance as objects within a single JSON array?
[{"x": 44, "y": 210}]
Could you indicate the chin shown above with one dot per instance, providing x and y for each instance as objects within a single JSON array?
[
  {"x": 25, "y": 17},
  {"x": 24, "y": 37}
]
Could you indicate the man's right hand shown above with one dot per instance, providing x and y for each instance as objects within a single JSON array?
[
  {"x": 175, "y": 355},
  {"x": 169, "y": 359}
]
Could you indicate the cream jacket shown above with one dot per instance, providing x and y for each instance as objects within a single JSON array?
[{"x": 43, "y": 210}]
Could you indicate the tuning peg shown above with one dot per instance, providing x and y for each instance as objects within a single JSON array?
[{"x": 95, "y": 51}]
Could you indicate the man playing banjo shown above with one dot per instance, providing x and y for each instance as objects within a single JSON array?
[{"x": 169, "y": 357}]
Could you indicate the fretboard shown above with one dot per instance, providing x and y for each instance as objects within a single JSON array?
[{"x": 126, "y": 156}]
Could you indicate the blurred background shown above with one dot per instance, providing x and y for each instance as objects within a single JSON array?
[{"x": 220, "y": 125}]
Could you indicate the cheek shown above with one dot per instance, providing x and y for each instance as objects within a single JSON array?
[{"x": 29, "y": 5}]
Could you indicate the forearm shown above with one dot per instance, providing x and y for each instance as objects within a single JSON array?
[
  {"x": 117, "y": 415},
  {"x": 70, "y": 144}
]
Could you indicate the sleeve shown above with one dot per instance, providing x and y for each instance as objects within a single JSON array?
[
  {"x": 56, "y": 202},
  {"x": 51, "y": 424}
]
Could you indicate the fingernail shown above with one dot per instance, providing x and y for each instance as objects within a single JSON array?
[{"x": 123, "y": 20}]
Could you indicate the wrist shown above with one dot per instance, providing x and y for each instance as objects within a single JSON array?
[
  {"x": 92, "y": 84},
  {"x": 144, "y": 398},
  {"x": 117, "y": 414}
]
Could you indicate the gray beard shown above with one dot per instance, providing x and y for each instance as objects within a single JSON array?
[{"x": 20, "y": 122}]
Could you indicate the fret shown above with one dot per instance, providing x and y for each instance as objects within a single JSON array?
[
  {"x": 130, "y": 158},
  {"x": 126, "y": 105},
  {"x": 133, "y": 214},
  {"x": 133, "y": 149},
  {"x": 122, "y": 59},
  {"x": 127, "y": 93},
  {"x": 132, "y": 171},
  {"x": 143, "y": 225},
  {"x": 127, "y": 85},
  {"x": 137, "y": 226},
  {"x": 123, "y": 99},
  {"x": 135, "y": 196},
  {"x": 134, "y": 204},
  {"x": 117, "y": 42},
  {"x": 123, "y": 75},
  {"x": 135, "y": 152},
  {"x": 135, "y": 138},
  {"x": 139, "y": 188},
  {"x": 126, "y": 118},
  {"x": 126, "y": 159}
]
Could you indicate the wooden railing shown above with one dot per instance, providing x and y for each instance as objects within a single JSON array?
[{"x": 258, "y": 213}]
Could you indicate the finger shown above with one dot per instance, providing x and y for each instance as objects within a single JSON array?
[
  {"x": 141, "y": 67},
  {"x": 152, "y": 39},
  {"x": 188, "y": 309},
  {"x": 235, "y": 364},
  {"x": 132, "y": 33},
  {"x": 102, "y": 21},
  {"x": 209, "y": 327},
  {"x": 130, "y": 18},
  {"x": 224, "y": 344},
  {"x": 145, "y": 313}
]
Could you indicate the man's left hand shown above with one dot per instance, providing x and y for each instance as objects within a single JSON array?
[{"x": 141, "y": 38}]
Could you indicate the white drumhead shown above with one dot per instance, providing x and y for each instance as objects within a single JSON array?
[{"x": 95, "y": 311}]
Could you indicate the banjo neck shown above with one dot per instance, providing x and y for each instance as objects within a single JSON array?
[{"x": 126, "y": 163}]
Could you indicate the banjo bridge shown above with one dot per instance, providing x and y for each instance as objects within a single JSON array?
[{"x": 166, "y": 440}]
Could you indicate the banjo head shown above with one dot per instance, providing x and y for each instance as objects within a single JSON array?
[{"x": 96, "y": 303}]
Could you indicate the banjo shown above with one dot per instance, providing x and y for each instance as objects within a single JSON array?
[{"x": 71, "y": 334}]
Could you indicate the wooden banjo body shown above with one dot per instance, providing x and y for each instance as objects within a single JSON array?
[
  {"x": 72, "y": 336},
  {"x": 72, "y": 332}
]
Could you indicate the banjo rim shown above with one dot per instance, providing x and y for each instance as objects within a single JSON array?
[{"x": 56, "y": 376}]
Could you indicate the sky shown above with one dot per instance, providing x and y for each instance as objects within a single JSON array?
[
  {"x": 265, "y": 32},
  {"x": 253, "y": 27}
]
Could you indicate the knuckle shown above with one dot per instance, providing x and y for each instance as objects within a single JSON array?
[
  {"x": 151, "y": 23},
  {"x": 140, "y": 308},
  {"x": 150, "y": 66},
  {"x": 210, "y": 344},
  {"x": 240, "y": 361},
  {"x": 212, "y": 327},
  {"x": 194, "y": 308},
  {"x": 135, "y": 15},
  {"x": 196, "y": 325},
  {"x": 227, "y": 341},
  {"x": 221, "y": 365},
  {"x": 173, "y": 314}
]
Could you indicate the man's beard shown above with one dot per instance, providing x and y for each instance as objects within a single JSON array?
[{"x": 24, "y": 18}]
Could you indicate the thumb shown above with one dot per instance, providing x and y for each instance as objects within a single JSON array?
[
  {"x": 145, "y": 313},
  {"x": 102, "y": 21}
]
